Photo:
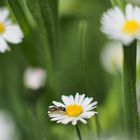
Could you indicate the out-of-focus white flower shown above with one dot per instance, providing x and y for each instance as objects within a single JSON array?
[
  {"x": 73, "y": 109},
  {"x": 7, "y": 127},
  {"x": 123, "y": 27},
  {"x": 112, "y": 57},
  {"x": 8, "y": 32},
  {"x": 34, "y": 78}
]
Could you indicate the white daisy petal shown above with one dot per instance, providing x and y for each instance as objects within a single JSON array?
[
  {"x": 88, "y": 114},
  {"x": 77, "y": 98},
  {"x": 74, "y": 122},
  {"x": 129, "y": 11},
  {"x": 4, "y": 13},
  {"x": 58, "y": 118},
  {"x": 54, "y": 115},
  {"x": 110, "y": 18},
  {"x": 86, "y": 101},
  {"x": 65, "y": 99},
  {"x": 59, "y": 121},
  {"x": 90, "y": 106},
  {"x": 55, "y": 119},
  {"x": 71, "y": 98},
  {"x": 67, "y": 120},
  {"x": 81, "y": 98},
  {"x": 136, "y": 15},
  {"x": 82, "y": 120},
  {"x": 51, "y": 106},
  {"x": 58, "y": 104},
  {"x": 13, "y": 34},
  {"x": 3, "y": 45}
]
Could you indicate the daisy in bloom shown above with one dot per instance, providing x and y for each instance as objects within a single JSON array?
[
  {"x": 73, "y": 109},
  {"x": 123, "y": 27},
  {"x": 8, "y": 32}
]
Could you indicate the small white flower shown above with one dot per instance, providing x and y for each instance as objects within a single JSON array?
[
  {"x": 123, "y": 27},
  {"x": 8, "y": 32},
  {"x": 34, "y": 78},
  {"x": 78, "y": 108},
  {"x": 112, "y": 57},
  {"x": 7, "y": 127}
]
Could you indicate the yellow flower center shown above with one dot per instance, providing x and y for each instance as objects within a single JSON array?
[
  {"x": 74, "y": 110},
  {"x": 131, "y": 27},
  {"x": 2, "y": 27}
]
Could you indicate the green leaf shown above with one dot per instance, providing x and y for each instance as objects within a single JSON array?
[
  {"x": 45, "y": 14},
  {"x": 41, "y": 31},
  {"x": 120, "y": 3},
  {"x": 31, "y": 44},
  {"x": 49, "y": 12},
  {"x": 113, "y": 2}
]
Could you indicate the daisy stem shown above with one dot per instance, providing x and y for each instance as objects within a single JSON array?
[
  {"x": 98, "y": 127},
  {"x": 78, "y": 132},
  {"x": 129, "y": 83},
  {"x": 82, "y": 43}
]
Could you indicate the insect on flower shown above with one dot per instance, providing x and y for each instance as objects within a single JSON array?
[
  {"x": 57, "y": 109},
  {"x": 72, "y": 109}
]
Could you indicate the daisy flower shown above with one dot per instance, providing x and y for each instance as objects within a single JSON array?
[
  {"x": 7, "y": 127},
  {"x": 112, "y": 57},
  {"x": 8, "y": 32},
  {"x": 123, "y": 27},
  {"x": 34, "y": 78},
  {"x": 73, "y": 109}
]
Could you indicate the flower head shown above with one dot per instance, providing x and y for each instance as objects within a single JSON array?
[
  {"x": 7, "y": 127},
  {"x": 34, "y": 78},
  {"x": 112, "y": 57},
  {"x": 8, "y": 32},
  {"x": 73, "y": 109},
  {"x": 123, "y": 27}
]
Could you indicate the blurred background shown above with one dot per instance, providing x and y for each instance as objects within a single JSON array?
[{"x": 51, "y": 61}]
